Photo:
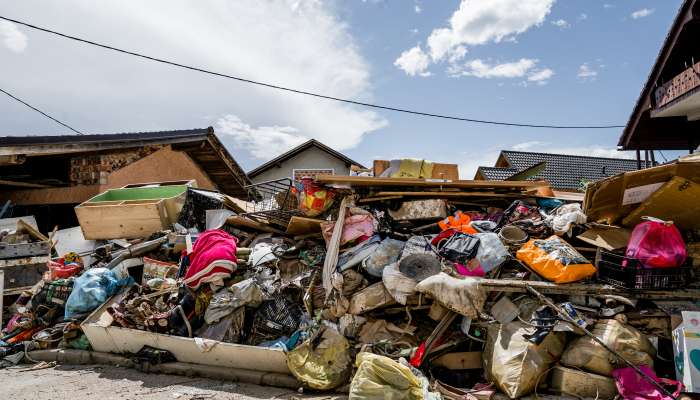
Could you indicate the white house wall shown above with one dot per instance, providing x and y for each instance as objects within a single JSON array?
[{"x": 311, "y": 158}]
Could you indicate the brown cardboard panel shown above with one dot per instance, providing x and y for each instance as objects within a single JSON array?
[
  {"x": 462, "y": 360},
  {"x": 678, "y": 200},
  {"x": 440, "y": 171},
  {"x": 604, "y": 198},
  {"x": 608, "y": 237},
  {"x": 302, "y": 226}
]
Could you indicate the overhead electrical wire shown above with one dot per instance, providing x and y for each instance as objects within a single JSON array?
[
  {"x": 304, "y": 92},
  {"x": 40, "y": 112}
]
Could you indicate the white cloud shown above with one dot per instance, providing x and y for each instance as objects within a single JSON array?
[
  {"x": 561, "y": 23},
  {"x": 586, "y": 72},
  {"x": 298, "y": 43},
  {"x": 478, "y": 22},
  {"x": 582, "y": 17},
  {"x": 541, "y": 76},
  {"x": 417, "y": 8},
  {"x": 525, "y": 67},
  {"x": 14, "y": 39},
  {"x": 608, "y": 5},
  {"x": 263, "y": 142},
  {"x": 644, "y": 12},
  {"x": 414, "y": 62},
  {"x": 480, "y": 69}
]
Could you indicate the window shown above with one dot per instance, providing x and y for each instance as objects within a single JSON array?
[{"x": 299, "y": 173}]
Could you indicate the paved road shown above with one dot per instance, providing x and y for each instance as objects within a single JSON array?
[{"x": 106, "y": 383}]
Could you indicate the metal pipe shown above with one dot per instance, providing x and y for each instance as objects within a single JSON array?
[{"x": 136, "y": 250}]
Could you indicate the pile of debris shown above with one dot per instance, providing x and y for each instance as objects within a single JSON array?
[{"x": 401, "y": 287}]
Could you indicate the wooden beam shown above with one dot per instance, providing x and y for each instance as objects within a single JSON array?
[
  {"x": 587, "y": 289},
  {"x": 362, "y": 181},
  {"x": 24, "y": 184}
]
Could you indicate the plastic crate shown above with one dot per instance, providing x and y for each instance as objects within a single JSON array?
[{"x": 629, "y": 273}]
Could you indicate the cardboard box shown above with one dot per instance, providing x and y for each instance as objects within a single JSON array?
[
  {"x": 615, "y": 198},
  {"x": 686, "y": 351}
]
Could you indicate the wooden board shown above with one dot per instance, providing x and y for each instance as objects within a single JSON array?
[
  {"x": 303, "y": 226},
  {"x": 23, "y": 272},
  {"x": 244, "y": 222},
  {"x": 589, "y": 289},
  {"x": 363, "y": 181},
  {"x": 19, "y": 250},
  {"x": 122, "y": 220},
  {"x": 461, "y": 360}
]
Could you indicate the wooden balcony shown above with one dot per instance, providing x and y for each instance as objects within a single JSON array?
[{"x": 680, "y": 97}]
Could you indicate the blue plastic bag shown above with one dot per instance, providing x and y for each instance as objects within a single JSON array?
[{"x": 92, "y": 289}]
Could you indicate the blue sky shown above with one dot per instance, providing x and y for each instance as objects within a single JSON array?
[{"x": 566, "y": 62}]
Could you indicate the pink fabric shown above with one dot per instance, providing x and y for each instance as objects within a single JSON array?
[
  {"x": 632, "y": 386},
  {"x": 213, "y": 257},
  {"x": 355, "y": 227},
  {"x": 466, "y": 271}
]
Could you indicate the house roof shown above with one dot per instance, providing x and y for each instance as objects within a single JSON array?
[
  {"x": 201, "y": 145},
  {"x": 673, "y": 133},
  {"x": 293, "y": 152},
  {"x": 562, "y": 171}
]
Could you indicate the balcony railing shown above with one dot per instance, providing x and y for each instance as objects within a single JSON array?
[{"x": 678, "y": 86}]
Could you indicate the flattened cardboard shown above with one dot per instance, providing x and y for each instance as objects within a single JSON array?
[
  {"x": 608, "y": 237},
  {"x": 678, "y": 200}
]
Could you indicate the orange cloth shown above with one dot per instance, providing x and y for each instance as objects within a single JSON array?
[{"x": 460, "y": 222}]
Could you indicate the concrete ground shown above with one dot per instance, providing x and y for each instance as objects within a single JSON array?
[{"x": 65, "y": 382}]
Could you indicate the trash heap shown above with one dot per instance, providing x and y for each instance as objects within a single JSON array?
[{"x": 387, "y": 288}]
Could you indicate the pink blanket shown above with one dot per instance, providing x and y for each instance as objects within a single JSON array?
[{"x": 213, "y": 257}]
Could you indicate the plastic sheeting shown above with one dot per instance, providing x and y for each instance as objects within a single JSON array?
[{"x": 514, "y": 363}]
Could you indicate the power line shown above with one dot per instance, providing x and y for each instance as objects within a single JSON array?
[
  {"x": 41, "y": 112},
  {"x": 307, "y": 93}
]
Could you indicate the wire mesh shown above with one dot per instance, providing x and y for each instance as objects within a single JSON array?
[{"x": 273, "y": 202}]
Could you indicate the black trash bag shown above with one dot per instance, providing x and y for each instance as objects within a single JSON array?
[{"x": 459, "y": 248}]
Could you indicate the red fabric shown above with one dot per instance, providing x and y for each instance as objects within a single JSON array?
[{"x": 213, "y": 257}]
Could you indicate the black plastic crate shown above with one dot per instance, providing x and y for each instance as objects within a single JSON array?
[{"x": 629, "y": 273}]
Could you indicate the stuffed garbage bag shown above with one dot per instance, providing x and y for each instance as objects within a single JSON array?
[
  {"x": 555, "y": 260},
  {"x": 516, "y": 364},
  {"x": 322, "y": 362},
  {"x": 92, "y": 289},
  {"x": 380, "y": 377}
]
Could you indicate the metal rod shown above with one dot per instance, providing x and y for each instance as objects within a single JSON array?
[{"x": 570, "y": 320}]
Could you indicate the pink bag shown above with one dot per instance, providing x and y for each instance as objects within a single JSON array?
[
  {"x": 632, "y": 386},
  {"x": 657, "y": 244}
]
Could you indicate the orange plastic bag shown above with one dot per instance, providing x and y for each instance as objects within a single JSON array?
[{"x": 555, "y": 260}]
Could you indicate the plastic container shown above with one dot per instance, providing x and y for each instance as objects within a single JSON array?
[
  {"x": 657, "y": 244},
  {"x": 629, "y": 273}
]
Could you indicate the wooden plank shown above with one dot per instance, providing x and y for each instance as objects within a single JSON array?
[
  {"x": 244, "y": 222},
  {"x": 363, "y": 181},
  {"x": 23, "y": 184},
  {"x": 380, "y": 198},
  {"x": 121, "y": 221},
  {"x": 449, "y": 194},
  {"x": 588, "y": 289},
  {"x": 23, "y": 226},
  {"x": 333, "y": 246},
  {"x": 303, "y": 226},
  {"x": 23, "y": 249}
]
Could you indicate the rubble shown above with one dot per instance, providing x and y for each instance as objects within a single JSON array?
[{"x": 412, "y": 287}]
